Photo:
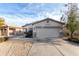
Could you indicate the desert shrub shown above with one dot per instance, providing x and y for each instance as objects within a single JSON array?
[
  {"x": 2, "y": 39},
  {"x": 6, "y": 38},
  {"x": 75, "y": 40}
]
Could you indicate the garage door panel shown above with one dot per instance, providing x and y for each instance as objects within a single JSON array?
[{"x": 46, "y": 33}]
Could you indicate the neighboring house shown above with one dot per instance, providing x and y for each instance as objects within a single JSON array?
[
  {"x": 27, "y": 27},
  {"x": 3, "y": 31},
  {"x": 19, "y": 30},
  {"x": 46, "y": 28},
  {"x": 10, "y": 30}
]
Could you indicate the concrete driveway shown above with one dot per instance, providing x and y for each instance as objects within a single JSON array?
[{"x": 55, "y": 47}]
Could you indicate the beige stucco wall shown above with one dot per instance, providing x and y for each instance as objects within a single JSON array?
[{"x": 41, "y": 33}]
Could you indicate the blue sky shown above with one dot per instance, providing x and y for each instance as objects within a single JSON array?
[{"x": 21, "y": 13}]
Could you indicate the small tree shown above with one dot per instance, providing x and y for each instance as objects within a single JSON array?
[
  {"x": 2, "y": 22},
  {"x": 72, "y": 24}
]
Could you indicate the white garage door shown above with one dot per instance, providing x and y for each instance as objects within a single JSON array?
[{"x": 47, "y": 33}]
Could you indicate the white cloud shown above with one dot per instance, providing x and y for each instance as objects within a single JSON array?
[
  {"x": 39, "y": 12},
  {"x": 19, "y": 21}
]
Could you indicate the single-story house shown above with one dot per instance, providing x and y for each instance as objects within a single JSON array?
[
  {"x": 10, "y": 30},
  {"x": 27, "y": 27},
  {"x": 46, "y": 28}
]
